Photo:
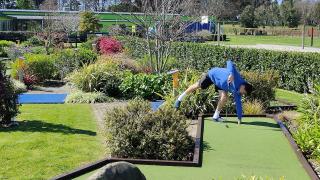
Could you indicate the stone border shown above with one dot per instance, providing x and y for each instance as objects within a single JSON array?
[{"x": 197, "y": 158}]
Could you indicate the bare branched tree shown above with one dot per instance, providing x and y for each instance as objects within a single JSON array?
[{"x": 164, "y": 22}]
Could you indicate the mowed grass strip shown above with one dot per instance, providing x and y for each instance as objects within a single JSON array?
[
  {"x": 258, "y": 147},
  {"x": 50, "y": 140},
  {"x": 289, "y": 96}
]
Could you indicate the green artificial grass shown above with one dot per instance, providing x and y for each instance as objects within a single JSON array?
[
  {"x": 275, "y": 40},
  {"x": 289, "y": 96},
  {"x": 258, "y": 147},
  {"x": 50, "y": 140}
]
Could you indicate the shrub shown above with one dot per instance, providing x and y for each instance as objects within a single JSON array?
[
  {"x": 295, "y": 69},
  {"x": 19, "y": 87},
  {"x": 39, "y": 67},
  {"x": 69, "y": 59},
  {"x": 308, "y": 132},
  {"x": 135, "y": 131},
  {"x": 3, "y": 45},
  {"x": 88, "y": 43},
  {"x": 146, "y": 86},
  {"x": 125, "y": 63},
  {"x": 107, "y": 45},
  {"x": 99, "y": 77},
  {"x": 83, "y": 97},
  {"x": 16, "y": 51},
  {"x": 264, "y": 84},
  {"x": 8, "y": 98},
  {"x": 253, "y": 107},
  {"x": 34, "y": 41}
]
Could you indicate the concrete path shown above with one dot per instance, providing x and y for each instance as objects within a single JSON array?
[{"x": 278, "y": 48}]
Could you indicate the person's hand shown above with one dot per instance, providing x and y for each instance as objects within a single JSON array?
[{"x": 230, "y": 79}]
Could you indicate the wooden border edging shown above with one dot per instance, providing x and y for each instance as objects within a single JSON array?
[
  {"x": 304, "y": 162},
  {"x": 197, "y": 158}
]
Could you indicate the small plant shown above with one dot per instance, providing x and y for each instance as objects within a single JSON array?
[
  {"x": 107, "y": 45},
  {"x": 29, "y": 80},
  {"x": 253, "y": 107},
  {"x": 100, "y": 77},
  {"x": 151, "y": 87},
  {"x": 19, "y": 87},
  {"x": 136, "y": 131},
  {"x": 3, "y": 45},
  {"x": 87, "y": 98}
]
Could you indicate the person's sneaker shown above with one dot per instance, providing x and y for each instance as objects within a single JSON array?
[
  {"x": 220, "y": 119},
  {"x": 177, "y": 104},
  {"x": 239, "y": 122}
]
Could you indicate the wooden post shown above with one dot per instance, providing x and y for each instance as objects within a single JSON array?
[
  {"x": 312, "y": 36},
  {"x": 20, "y": 68},
  {"x": 175, "y": 82}
]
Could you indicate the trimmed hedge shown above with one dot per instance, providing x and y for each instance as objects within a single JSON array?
[{"x": 295, "y": 69}]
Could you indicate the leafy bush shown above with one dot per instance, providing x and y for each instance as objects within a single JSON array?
[
  {"x": 146, "y": 86},
  {"x": 137, "y": 132},
  {"x": 88, "y": 43},
  {"x": 19, "y": 87},
  {"x": 308, "y": 133},
  {"x": 83, "y": 97},
  {"x": 100, "y": 77},
  {"x": 108, "y": 45},
  {"x": 3, "y": 45},
  {"x": 68, "y": 60},
  {"x": 264, "y": 84},
  {"x": 295, "y": 69},
  {"x": 16, "y": 51},
  {"x": 34, "y": 41},
  {"x": 38, "y": 66},
  {"x": 124, "y": 62},
  {"x": 8, "y": 98},
  {"x": 253, "y": 107}
]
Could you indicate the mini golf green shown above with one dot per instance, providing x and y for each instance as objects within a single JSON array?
[{"x": 257, "y": 147}]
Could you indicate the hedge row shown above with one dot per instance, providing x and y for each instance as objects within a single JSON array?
[{"x": 296, "y": 69}]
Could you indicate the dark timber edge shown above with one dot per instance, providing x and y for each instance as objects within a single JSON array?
[
  {"x": 197, "y": 158},
  {"x": 306, "y": 165}
]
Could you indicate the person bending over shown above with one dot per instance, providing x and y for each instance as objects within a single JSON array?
[{"x": 225, "y": 80}]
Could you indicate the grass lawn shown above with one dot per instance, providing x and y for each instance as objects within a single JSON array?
[
  {"x": 50, "y": 140},
  {"x": 289, "y": 96},
  {"x": 276, "y": 40},
  {"x": 258, "y": 147}
]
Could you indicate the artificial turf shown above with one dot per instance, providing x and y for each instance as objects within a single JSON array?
[
  {"x": 50, "y": 140},
  {"x": 258, "y": 147}
]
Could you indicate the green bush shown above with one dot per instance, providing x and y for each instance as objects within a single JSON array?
[
  {"x": 253, "y": 107},
  {"x": 19, "y": 87},
  {"x": 147, "y": 86},
  {"x": 34, "y": 41},
  {"x": 264, "y": 84},
  {"x": 135, "y": 131},
  {"x": 39, "y": 65},
  {"x": 8, "y": 98},
  {"x": 308, "y": 131},
  {"x": 80, "y": 97},
  {"x": 295, "y": 69},
  {"x": 3, "y": 45},
  {"x": 68, "y": 60},
  {"x": 100, "y": 77}
]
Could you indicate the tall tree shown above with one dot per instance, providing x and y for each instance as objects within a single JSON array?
[
  {"x": 247, "y": 17},
  {"x": 289, "y": 14},
  {"x": 89, "y": 22}
]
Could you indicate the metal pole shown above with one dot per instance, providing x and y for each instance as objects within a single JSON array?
[
  {"x": 303, "y": 34},
  {"x": 312, "y": 36},
  {"x": 218, "y": 37}
]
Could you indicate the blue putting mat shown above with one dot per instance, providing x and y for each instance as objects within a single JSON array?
[{"x": 42, "y": 98}]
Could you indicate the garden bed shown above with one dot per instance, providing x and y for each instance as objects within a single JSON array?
[{"x": 195, "y": 160}]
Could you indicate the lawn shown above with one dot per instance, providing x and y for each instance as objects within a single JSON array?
[
  {"x": 50, "y": 140},
  {"x": 258, "y": 147},
  {"x": 289, "y": 96},
  {"x": 276, "y": 40}
]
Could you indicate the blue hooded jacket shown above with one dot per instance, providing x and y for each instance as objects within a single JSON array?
[{"x": 219, "y": 77}]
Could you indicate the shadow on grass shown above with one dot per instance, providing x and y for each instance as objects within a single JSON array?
[
  {"x": 41, "y": 126},
  {"x": 256, "y": 123},
  {"x": 206, "y": 146}
]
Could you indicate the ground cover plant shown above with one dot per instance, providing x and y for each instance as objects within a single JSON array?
[{"x": 136, "y": 131}]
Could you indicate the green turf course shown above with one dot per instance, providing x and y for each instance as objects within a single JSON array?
[
  {"x": 51, "y": 139},
  {"x": 258, "y": 147},
  {"x": 289, "y": 96}
]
